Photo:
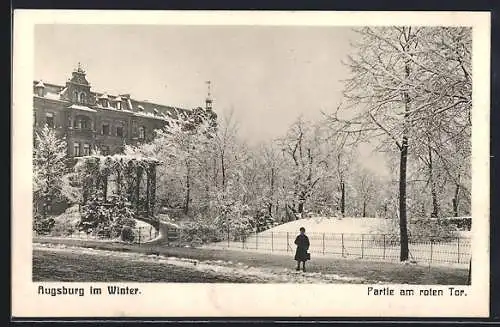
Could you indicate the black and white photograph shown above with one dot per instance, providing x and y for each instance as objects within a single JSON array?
[{"x": 333, "y": 155}]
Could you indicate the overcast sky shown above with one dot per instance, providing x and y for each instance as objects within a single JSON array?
[{"x": 268, "y": 75}]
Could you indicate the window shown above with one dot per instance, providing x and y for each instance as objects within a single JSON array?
[
  {"x": 83, "y": 98},
  {"x": 105, "y": 129},
  {"x": 39, "y": 91},
  {"x": 81, "y": 123},
  {"x": 119, "y": 105},
  {"x": 86, "y": 150},
  {"x": 76, "y": 149},
  {"x": 119, "y": 131},
  {"x": 142, "y": 132},
  {"x": 134, "y": 127},
  {"x": 105, "y": 103},
  {"x": 49, "y": 119},
  {"x": 34, "y": 118}
]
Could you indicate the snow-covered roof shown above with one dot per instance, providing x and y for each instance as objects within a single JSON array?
[
  {"x": 104, "y": 96},
  {"x": 52, "y": 96},
  {"x": 80, "y": 107}
]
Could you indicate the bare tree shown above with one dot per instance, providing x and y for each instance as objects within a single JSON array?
[{"x": 400, "y": 80}]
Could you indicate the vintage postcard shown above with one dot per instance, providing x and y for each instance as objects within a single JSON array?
[{"x": 255, "y": 164}]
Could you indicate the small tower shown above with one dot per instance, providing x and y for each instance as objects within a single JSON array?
[
  {"x": 208, "y": 100},
  {"x": 40, "y": 88},
  {"x": 78, "y": 88}
]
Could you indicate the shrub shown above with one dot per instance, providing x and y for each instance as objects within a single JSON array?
[
  {"x": 66, "y": 223},
  {"x": 106, "y": 219},
  {"x": 198, "y": 232},
  {"x": 421, "y": 230},
  {"x": 43, "y": 226},
  {"x": 127, "y": 234}
]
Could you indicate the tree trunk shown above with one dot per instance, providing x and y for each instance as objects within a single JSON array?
[
  {"x": 435, "y": 203},
  {"x": 270, "y": 205},
  {"x": 300, "y": 208},
  {"x": 148, "y": 190},
  {"x": 153, "y": 189},
  {"x": 402, "y": 201},
  {"x": 188, "y": 192},
  {"x": 403, "y": 228},
  {"x": 364, "y": 208},
  {"x": 342, "y": 198},
  {"x": 455, "y": 198},
  {"x": 223, "y": 168},
  {"x": 138, "y": 187}
]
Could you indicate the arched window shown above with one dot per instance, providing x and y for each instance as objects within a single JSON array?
[
  {"x": 75, "y": 96},
  {"x": 142, "y": 132},
  {"x": 83, "y": 98}
]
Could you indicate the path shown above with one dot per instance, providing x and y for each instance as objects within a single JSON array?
[{"x": 368, "y": 271}]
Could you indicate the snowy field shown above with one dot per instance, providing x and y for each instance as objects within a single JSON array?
[
  {"x": 171, "y": 269},
  {"x": 355, "y": 238}
]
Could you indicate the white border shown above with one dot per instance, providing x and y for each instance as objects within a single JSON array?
[{"x": 255, "y": 299}]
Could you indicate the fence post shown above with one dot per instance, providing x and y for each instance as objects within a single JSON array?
[
  {"x": 470, "y": 269},
  {"x": 430, "y": 261},
  {"x": 139, "y": 235},
  {"x": 458, "y": 249},
  {"x": 286, "y": 241},
  {"x": 228, "y": 237},
  {"x": 166, "y": 235},
  {"x": 342, "y": 238},
  {"x": 180, "y": 237},
  {"x": 362, "y": 245},
  {"x": 323, "y": 243},
  {"x": 256, "y": 240},
  {"x": 272, "y": 242},
  {"x": 384, "y": 246}
]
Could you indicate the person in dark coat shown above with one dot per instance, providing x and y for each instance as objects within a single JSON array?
[{"x": 301, "y": 255}]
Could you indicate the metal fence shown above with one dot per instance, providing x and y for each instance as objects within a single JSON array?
[
  {"x": 384, "y": 247},
  {"x": 141, "y": 234},
  {"x": 456, "y": 250}
]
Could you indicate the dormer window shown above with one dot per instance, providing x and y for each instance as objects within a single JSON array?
[
  {"x": 104, "y": 100},
  {"x": 141, "y": 108},
  {"x": 40, "y": 89},
  {"x": 119, "y": 105}
]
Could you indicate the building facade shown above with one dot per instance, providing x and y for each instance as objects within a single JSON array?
[{"x": 90, "y": 120}]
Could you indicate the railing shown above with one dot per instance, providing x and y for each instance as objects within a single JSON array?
[
  {"x": 456, "y": 250},
  {"x": 384, "y": 247},
  {"x": 141, "y": 235}
]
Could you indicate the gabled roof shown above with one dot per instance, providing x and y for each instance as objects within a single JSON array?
[{"x": 149, "y": 109}]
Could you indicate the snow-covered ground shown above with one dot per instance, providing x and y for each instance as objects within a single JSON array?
[
  {"x": 352, "y": 238},
  {"x": 215, "y": 267},
  {"x": 333, "y": 225}
]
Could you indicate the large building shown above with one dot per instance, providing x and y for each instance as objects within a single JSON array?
[{"x": 90, "y": 120}]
